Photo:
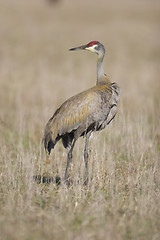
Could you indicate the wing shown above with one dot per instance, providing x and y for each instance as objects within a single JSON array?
[
  {"x": 74, "y": 112},
  {"x": 113, "y": 105},
  {"x": 79, "y": 112}
]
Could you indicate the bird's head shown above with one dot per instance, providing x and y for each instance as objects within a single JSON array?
[{"x": 93, "y": 46}]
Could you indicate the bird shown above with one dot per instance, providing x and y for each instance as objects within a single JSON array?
[{"x": 89, "y": 111}]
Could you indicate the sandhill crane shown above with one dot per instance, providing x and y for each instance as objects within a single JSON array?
[{"x": 85, "y": 112}]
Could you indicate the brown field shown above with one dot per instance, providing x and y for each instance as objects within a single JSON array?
[{"x": 37, "y": 73}]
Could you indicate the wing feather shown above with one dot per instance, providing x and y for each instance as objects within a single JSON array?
[
  {"x": 72, "y": 113},
  {"x": 79, "y": 111}
]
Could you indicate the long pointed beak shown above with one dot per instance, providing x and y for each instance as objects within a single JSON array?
[{"x": 78, "y": 48}]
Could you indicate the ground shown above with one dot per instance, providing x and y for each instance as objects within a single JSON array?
[{"x": 38, "y": 73}]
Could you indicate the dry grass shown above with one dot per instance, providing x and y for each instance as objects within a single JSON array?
[{"x": 37, "y": 73}]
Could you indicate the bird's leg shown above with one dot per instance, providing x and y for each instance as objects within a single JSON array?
[
  {"x": 86, "y": 157},
  {"x": 69, "y": 159}
]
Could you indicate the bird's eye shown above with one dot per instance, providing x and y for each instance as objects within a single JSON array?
[{"x": 96, "y": 47}]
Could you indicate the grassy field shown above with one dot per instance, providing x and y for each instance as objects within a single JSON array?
[{"x": 37, "y": 73}]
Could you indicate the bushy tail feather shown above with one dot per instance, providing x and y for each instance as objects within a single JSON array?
[{"x": 48, "y": 143}]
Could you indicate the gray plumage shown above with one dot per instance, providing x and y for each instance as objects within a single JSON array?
[{"x": 85, "y": 112}]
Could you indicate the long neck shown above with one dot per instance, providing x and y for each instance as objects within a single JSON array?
[{"x": 100, "y": 71}]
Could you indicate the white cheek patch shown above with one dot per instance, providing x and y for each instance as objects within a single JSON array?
[{"x": 92, "y": 49}]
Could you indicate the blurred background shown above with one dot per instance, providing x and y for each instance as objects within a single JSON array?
[{"x": 37, "y": 72}]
